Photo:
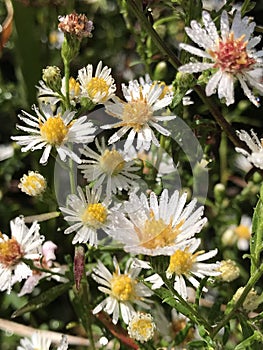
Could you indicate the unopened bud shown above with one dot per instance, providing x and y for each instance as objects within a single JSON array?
[
  {"x": 51, "y": 76},
  {"x": 79, "y": 264}
]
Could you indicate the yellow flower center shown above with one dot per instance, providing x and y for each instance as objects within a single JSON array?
[
  {"x": 243, "y": 231},
  {"x": 231, "y": 55},
  {"x": 74, "y": 87},
  {"x": 112, "y": 162},
  {"x": 94, "y": 215},
  {"x": 10, "y": 252},
  {"x": 136, "y": 114},
  {"x": 97, "y": 86},
  {"x": 122, "y": 287},
  {"x": 54, "y": 130},
  {"x": 141, "y": 327},
  {"x": 32, "y": 184},
  {"x": 181, "y": 262},
  {"x": 156, "y": 233}
]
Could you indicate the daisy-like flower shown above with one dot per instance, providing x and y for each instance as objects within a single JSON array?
[
  {"x": 40, "y": 341},
  {"x": 47, "y": 261},
  {"x": 187, "y": 264},
  {"x": 239, "y": 234},
  {"x": 32, "y": 184},
  {"x": 25, "y": 243},
  {"x": 158, "y": 228},
  {"x": 141, "y": 327},
  {"x": 47, "y": 130},
  {"x": 137, "y": 114},
  {"x": 233, "y": 55},
  {"x": 98, "y": 88},
  {"x": 110, "y": 166},
  {"x": 123, "y": 289},
  {"x": 255, "y": 157},
  {"x": 88, "y": 215}
]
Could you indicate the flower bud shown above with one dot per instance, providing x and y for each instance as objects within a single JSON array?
[
  {"x": 51, "y": 76},
  {"x": 229, "y": 270},
  {"x": 79, "y": 265}
]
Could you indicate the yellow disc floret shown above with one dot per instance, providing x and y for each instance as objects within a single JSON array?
[
  {"x": 156, "y": 233},
  {"x": 122, "y": 287},
  {"x": 54, "y": 130},
  {"x": 243, "y": 231},
  {"x": 136, "y": 114},
  {"x": 10, "y": 252},
  {"x": 141, "y": 327},
  {"x": 97, "y": 86},
  {"x": 112, "y": 162},
  {"x": 94, "y": 215}
]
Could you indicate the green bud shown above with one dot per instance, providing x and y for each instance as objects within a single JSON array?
[
  {"x": 160, "y": 71},
  {"x": 219, "y": 192},
  {"x": 52, "y": 77}
]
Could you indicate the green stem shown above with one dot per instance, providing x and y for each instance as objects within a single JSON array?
[
  {"x": 192, "y": 310},
  {"x": 250, "y": 284},
  {"x": 67, "y": 76},
  {"x": 173, "y": 59}
]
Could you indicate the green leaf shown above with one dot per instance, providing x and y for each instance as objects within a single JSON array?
[
  {"x": 257, "y": 234},
  {"x": 43, "y": 299}
]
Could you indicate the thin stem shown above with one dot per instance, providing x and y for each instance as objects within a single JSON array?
[
  {"x": 173, "y": 59},
  {"x": 250, "y": 284}
]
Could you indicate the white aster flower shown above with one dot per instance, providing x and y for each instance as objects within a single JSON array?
[
  {"x": 124, "y": 290},
  {"x": 233, "y": 55},
  {"x": 32, "y": 184},
  {"x": 88, "y": 215},
  {"x": 98, "y": 88},
  {"x": 40, "y": 341},
  {"x": 255, "y": 157},
  {"x": 137, "y": 114},
  {"x": 153, "y": 227},
  {"x": 47, "y": 261},
  {"x": 111, "y": 166},
  {"x": 47, "y": 130},
  {"x": 141, "y": 327},
  {"x": 239, "y": 234},
  {"x": 186, "y": 264},
  {"x": 25, "y": 243}
]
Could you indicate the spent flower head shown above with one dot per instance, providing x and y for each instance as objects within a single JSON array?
[
  {"x": 25, "y": 243},
  {"x": 233, "y": 55},
  {"x": 123, "y": 289},
  {"x": 76, "y": 25}
]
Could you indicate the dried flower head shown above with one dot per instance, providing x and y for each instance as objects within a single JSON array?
[{"x": 76, "y": 25}]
